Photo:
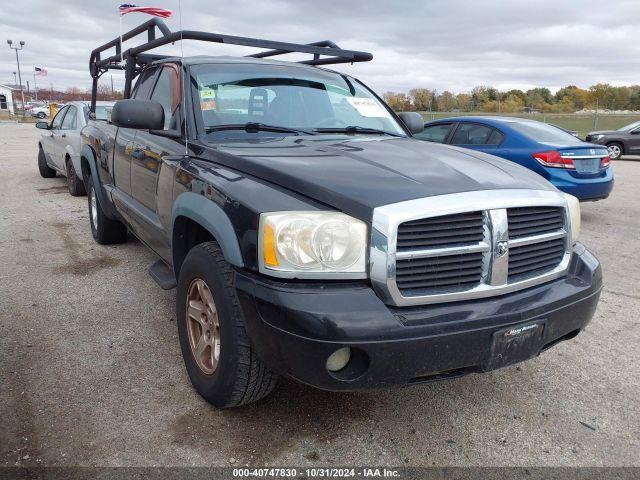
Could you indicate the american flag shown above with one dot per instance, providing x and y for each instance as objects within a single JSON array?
[
  {"x": 40, "y": 71},
  {"x": 155, "y": 11}
]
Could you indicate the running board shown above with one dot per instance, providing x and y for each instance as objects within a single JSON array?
[{"x": 162, "y": 275}]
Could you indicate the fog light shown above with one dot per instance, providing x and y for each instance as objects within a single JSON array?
[{"x": 339, "y": 359}]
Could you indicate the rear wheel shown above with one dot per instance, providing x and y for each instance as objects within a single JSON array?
[
  {"x": 76, "y": 187},
  {"x": 615, "y": 150},
  {"x": 104, "y": 230},
  {"x": 45, "y": 170},
  {"x": 217, "y": 352}
]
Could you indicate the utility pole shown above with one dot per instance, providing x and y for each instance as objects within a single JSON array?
[
  {"x": 112, "y": 86},
  {"x": 16, "y": 48}
]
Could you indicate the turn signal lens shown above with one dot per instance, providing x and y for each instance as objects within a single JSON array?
[
  {"x": 269, "y": 247},
  {"x": 553, "y": 159}
]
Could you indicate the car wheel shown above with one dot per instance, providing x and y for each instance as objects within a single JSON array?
[
  {"x": 76, "y": 187},
  {"x": 41, "y": 115},
  {"x": 615, "y": 150},
  {"x": 45, "y": 170},
  {"x": 217, "y": 352},
  {"x": 104, "y": 230}
]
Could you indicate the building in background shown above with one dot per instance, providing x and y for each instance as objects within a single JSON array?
[{"x": 6, "y": 98}]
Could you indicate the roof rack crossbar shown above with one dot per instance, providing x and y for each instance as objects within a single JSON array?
[{"x": 325, "y": 48}]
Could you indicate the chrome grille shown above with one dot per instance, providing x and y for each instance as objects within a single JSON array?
[
  {"x": 529, "y": 221},
  {"x": 468, "y": 245},
  {"x": 441, "y": 273},
  {"x": 534, "y": 259},
  {"x": 448, "y": 230}
]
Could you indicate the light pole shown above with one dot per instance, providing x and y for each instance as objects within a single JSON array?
[{"x": 16, "y": 48}]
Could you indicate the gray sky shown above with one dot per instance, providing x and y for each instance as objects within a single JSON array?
[{"x": 452, "y": 44}]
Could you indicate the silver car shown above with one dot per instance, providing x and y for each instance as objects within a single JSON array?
[{"x": 59, "y": 144}]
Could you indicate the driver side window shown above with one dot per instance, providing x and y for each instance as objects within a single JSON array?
[{"x": 57, "y": 120}]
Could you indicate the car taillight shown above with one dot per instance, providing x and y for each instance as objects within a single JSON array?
[
  {"x": 554, "y": 160},
  {"x": 605, "y": 161}
]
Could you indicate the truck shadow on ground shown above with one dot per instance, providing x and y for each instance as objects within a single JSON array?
[{"x": 282, "y": 422}]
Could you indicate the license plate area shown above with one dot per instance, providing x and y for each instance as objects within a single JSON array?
[
  {"x": 515, "y": 344},
  {"x": 587, "y": 165}
]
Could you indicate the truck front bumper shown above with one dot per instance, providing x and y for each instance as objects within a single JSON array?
[{"x": 295, "y": 327}]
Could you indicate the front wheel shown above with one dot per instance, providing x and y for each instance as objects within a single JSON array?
[
  {"x": 45, "y": 170},
  {"x": 615, "y": 150},
  {"x": 105, "y": 231},
  {"x": 217, "y": 352},
  {"x": 41, "y": 115}
]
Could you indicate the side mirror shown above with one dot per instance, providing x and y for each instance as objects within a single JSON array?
[
  {"x": 413, "y": 121},
  {"x": 42, "y": 125},
  {"x": 140, "y": 114}
]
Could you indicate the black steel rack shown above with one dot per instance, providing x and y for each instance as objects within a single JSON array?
[{"x": 133, "y": 59}]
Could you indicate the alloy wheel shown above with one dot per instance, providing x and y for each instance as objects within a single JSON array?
[
  {"x": 203, "y": 326},
  {"x": 614, "y": 151}
]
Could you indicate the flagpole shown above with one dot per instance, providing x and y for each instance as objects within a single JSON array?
[
  {"x": 121, "y": 52},
  {"x": 35, "y": 85}
]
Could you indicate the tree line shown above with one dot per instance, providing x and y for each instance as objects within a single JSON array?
[{"x": 489, "y": 99}]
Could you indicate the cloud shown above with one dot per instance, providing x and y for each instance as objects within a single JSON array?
[{"x": 446, "y": 45}]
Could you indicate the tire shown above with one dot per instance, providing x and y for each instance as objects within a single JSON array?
[
  {"x": 105, "y": 231},
  {"x": 616, "y": 150},
  {"x": 239, "y": 376},
  {"x": 41, "y": 115},
  {"x": 75, "y": 184},
  {"x": 45, "y": 170}
]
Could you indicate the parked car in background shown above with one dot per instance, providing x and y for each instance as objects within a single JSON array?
[
  {"x": 573, "y": 166},
  {"x": 59, "y": 145},
  {"x": 624, "y": 141},
  {"x": 39, "y": 111}
]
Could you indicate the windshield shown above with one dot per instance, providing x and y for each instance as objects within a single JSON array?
[
  {"x": 628, "y": 128},
  {"x": 292, "y": 98},
  {"x": 544, "y": 133}
]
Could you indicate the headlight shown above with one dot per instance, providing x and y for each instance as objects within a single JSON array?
[
  {"x": 574, "y": 216},
  {"x": 597, "y": 137},
  {"x": 312, "y": 245}
]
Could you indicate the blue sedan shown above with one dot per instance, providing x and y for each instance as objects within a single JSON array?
[{"x": 573, "y": 166}]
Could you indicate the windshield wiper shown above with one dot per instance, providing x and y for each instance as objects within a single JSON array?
[
  {"x": 356, "y": 129},
  {"x": 253, "y": 127}
]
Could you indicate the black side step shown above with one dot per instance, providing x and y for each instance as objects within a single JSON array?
[{"x": 163, "y": 275}]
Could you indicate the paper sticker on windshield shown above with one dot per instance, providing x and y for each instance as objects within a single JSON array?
[
  {"x": 208, "y": 104},
  {"x": 207, "y": 93},
  {"x": 367, "y": 107}
]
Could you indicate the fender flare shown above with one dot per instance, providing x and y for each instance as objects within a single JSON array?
[
  {"x": 211, "y": 217},
  {"x": 87, "y": 152}
]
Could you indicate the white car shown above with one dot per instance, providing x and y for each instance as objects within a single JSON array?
[
  {"x": 59, "y": 145},
  {"x": 40, "y": 111}
]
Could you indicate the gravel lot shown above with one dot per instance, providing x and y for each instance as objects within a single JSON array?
[{"x": 91, "y": 371}]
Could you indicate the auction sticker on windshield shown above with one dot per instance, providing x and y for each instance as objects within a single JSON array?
[{"x": 368, "y": 107}]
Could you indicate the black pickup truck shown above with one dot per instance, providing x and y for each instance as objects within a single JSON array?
[{"x": 309, "y": 235}]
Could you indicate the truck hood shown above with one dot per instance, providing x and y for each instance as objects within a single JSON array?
[
  {"x": 356, "y": 174},
  {"x": 603, "y": 132}
]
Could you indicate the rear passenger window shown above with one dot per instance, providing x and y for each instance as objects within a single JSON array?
[
  {"x": 144, "y": 85},
  {"x": 435, "y": 133},
  {"x": 471, "y": 134},
  {"x": 495, "y": 138}
]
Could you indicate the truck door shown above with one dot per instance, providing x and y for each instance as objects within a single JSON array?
[
  {"x": 151, "y": 174},
  {"x": 124, "y": 144}
]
